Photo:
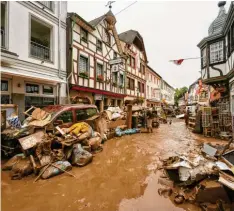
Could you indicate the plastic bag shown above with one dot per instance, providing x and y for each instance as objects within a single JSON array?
[
  {"x": 14, "y": 121},
  {"x": 22, "y": 168},
  {"x": 80, "y": 157},
  {"x": 53, "y": 171},
  {"x": 95, "y": 143},
  {"x": 10, "y": 163}
]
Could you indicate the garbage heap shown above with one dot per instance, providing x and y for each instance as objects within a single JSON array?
[
  {"x": 204, "y": 177},
  {"x": 47, "y": 154}
]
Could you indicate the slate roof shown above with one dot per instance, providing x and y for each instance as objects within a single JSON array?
[
  {"x": 96, "y": 21},
  {"x": 128, "y": 36},
  {"x": 217, "y": 25}
]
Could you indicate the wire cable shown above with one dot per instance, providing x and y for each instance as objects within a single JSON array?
[{"x": 126, "y": 8}]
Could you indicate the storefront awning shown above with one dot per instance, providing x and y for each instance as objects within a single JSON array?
[
  {"x": 34, "y": 75},
  {"x": 97, "y": 91}
]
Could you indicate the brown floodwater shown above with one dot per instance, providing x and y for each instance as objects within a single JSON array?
[{"x": 122, "y": 177}]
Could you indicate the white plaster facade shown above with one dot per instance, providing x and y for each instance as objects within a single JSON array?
[
  {"x": 167, "y": 93},
  {"x": 20, "y": 66},
  {"x": 153, "y": 88}
]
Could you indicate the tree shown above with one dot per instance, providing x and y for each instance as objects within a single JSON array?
[{"x": 179, "y": 93}]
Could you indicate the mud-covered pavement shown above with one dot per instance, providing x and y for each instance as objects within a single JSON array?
[{"x": 122, "y": 177}]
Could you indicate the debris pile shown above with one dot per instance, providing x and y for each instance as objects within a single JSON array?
[
  {"x": 49, "y": 150},
  {"x": 204, "y": 177}
]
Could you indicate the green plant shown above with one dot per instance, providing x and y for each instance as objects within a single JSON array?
[
  {"x": 83, "y": 74},
  {"x": 121, "y": 86},
  {"x": 114, "y": 84}
]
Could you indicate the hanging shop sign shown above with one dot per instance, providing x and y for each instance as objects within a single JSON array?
[
  {"x": 115, "y": 68},
  {"x": 115, "y": 61},
  {"x": 98, "y": 97}
]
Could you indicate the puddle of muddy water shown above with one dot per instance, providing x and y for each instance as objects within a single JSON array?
[{"x": 151, "y": 200}]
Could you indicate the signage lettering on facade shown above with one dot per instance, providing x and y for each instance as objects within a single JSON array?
[
  {"x": 115, "y": 61},
  {"x": 98, "y": 97}
]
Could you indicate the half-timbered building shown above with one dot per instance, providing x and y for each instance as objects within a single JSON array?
[
  {"x": 217, "y": 56},
  {"x": 133, "y": 46},
  {"x": 96, "y": 67}
]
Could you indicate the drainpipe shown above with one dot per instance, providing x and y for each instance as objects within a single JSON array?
[
  {"x": 59, "y": 49},
  {"x": 68, "y": 91}
]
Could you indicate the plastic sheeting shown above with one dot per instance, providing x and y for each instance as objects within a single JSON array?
[{"x": 119, "y": 132}]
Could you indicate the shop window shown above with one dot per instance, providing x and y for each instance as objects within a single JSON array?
[
  {"x": 99, "y": 45},
  {"x": 83, "y": 64},
  {"x": 39, "y": 102},
  {"x": 4, "y": 85},
  {"x": 5, "y": 99},
  {"x": 66, "y": 117},
  {"x": 216, "y": 52},
  {"x": 83, "y": 35},
  {"x": 32, "y": 88},
  {"x": 48, "y": 90}
]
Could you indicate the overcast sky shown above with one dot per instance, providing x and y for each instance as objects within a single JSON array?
[{"x": 171, "y": 30}]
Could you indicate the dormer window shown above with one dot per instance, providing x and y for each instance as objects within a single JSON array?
[
  {"x": 216, "y": 52},
  {"x": 83, "y": 35}
]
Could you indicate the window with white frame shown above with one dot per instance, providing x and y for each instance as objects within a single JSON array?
[
  {"x": 5, "y": 95},
  {"x": 216, "y": 52},
  {"x": 41, "y": 40},
  {"x": 3, "y": 23},
  {"x": 99, "y": 45},
  {"x": 83, "y": 64},
  {"x": 203, "y": 57},
  {"x": 99, "y": 69}
]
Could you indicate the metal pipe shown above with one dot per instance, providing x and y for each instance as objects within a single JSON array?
[{"x": 68, "y": 91}]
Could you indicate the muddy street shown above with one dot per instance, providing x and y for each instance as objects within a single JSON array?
[{"x": 121, "y": 177}]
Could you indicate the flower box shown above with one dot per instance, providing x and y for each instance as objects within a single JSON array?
[
  {"x": 83, "y": 75},
  {"x": 100, "y": 78}
]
